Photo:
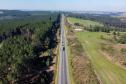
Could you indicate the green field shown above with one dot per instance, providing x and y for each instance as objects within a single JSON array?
[
  {"x": 86, "y": 23},
  {"x": 108, "y": 72}
]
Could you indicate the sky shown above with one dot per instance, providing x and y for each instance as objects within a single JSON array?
[{"x": 65, "y": 5}]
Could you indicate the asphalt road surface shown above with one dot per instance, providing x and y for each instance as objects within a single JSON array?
[{"x": 63, "y": 66}]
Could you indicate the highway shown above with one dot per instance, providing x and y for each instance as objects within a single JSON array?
[{"x": 63, "y": 66}]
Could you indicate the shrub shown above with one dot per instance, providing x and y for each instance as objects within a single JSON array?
[{"x": 122, "y": 39}]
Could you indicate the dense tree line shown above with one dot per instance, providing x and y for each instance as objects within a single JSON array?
[
  {"x": 23, "y": 41},
  {"x": 106, "y": 29}
]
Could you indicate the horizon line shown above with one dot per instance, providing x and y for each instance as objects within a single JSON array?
[{"x": 63, "y": 10}]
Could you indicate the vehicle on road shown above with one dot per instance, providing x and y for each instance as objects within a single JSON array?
[{"x": 63, "y": 48}]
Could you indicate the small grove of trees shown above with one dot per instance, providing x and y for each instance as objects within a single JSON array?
[
  {"x": 78, "y": 24},
  {"x": 98, "y": 29}
]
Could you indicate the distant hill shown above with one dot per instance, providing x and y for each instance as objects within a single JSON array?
[
  {"x": 123, "y": 14},
  {"x": 102, "y": 13},
  {"x": 13, "y": 13},
  {"x": 10, "y": 14},
  {"x": 39, "y": 12}
]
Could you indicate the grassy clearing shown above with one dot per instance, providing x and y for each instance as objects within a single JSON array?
[
  {"x": 85, "y": 23},
  {"x": 108, "y": 72},
  {"x": 81, "y": 70}
]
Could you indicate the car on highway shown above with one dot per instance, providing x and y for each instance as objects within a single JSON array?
[{"x": 63, "y": 48}]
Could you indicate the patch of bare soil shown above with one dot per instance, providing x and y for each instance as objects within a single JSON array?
[
  {"x": 83, "y": 72},
  {"x": 120, "y": 46}
]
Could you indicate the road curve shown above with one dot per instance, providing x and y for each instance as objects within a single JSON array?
[{"x": 63, "y": 66}]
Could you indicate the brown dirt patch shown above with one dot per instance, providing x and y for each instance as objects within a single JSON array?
[{"x": 120, "y": 46}]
